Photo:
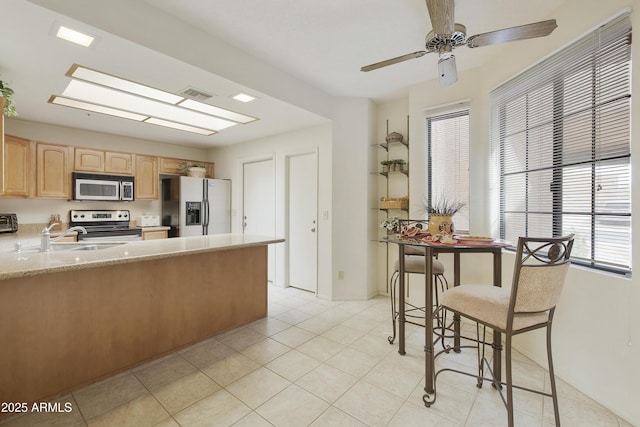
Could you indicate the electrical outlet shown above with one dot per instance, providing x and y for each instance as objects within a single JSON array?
[
  {"x": 341, "y": 275},
  {"x": 325, "y": 215}
]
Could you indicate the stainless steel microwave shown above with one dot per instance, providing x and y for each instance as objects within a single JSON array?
[{"x": 92, "y": 186}]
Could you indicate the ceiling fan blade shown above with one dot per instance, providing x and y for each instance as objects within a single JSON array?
[
  {"x": 392, "y": 61},
  {"x": 442, "y": 16},
  {"x": 529, "y": 31}
]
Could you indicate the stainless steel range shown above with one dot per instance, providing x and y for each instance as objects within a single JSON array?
[{"x": 104, "y": 225}]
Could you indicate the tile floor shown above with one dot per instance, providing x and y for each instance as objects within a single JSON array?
[{"x": 310, "y": 363}]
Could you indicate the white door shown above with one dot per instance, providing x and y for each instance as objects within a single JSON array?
[
  {"x": 303, "y": 221},
  {"x": 258, "y": 204}
]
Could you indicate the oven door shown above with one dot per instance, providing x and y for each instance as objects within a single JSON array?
[{"x": 94, "y": 189}]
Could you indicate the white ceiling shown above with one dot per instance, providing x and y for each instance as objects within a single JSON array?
[{"x": 323, "y": 44}]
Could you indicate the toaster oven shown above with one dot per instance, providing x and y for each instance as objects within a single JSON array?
[{"x": 8, "y": 223}]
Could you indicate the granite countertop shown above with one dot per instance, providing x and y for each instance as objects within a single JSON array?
[{"x": 31, "y": 262}]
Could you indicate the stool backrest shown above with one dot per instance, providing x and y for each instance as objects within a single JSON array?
[{"x": 540, "y": 272}]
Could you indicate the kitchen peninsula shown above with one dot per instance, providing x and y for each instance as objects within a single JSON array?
[{"x": 72, "y": 317}]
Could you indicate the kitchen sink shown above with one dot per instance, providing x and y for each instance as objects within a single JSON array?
[{"x": 82, "y": 246}]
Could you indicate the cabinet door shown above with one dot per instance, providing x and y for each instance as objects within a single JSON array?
[
  {"x": 210, "y": 169},
  {"x": 120, "y": 163},
  {"x": 146, "y": 177},
  {"x": 53, "y": 171},
  {"x": 89, "y": 160},
  {"x": 16, "y": 167},
  {"x": 169, "y": 166},
  {"x": 154, "y": 235}
]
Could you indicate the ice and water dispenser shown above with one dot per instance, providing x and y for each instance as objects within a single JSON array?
[{"x": 193, "y": 213}]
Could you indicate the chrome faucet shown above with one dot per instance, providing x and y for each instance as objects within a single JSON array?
[{"x": 45, "y": 236}]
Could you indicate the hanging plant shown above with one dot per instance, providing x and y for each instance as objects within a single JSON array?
[{"x": 9, "y": 106}]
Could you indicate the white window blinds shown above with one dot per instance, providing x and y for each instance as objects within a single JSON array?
[
  {"x": 448, "y": 163},
  {"x": 561, "y": 135}
]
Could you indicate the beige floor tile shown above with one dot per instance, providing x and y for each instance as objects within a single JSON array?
[
  {"x": 313, "y": 308},
  {"x": 143, "y": 411},
  {"x": 394, "y": 376},
  {"x": 333, "y": 417},
  {"x": 353, "y": 361},
  {"x": 168, "y": 422},
  {"x": 293, "y": 336},
  {"x": 185, "y": 391},
  {"x": 578, "y": 413},
  {"x": 164, "y": 371},
  {"x": 231, "y": 369},
  {"x": 411, "y": 415},
  {"x": 343, "y": 334},
  {"x": 292, "y": 407},
  {"x": 265, "y": 351},
  {"x": 268, "y": 326},
  {"x": 320, "y": 348},
  {"x": 253, "y": 420},
  {"x": 293, "y": 365},
  {"x": 257, "y": 387},
  {"x": 327, "y": 382},
  {"x": 219, "y": 409},
  {"x": 316, "y": 325},
  {"x": 374, "y": 345},
  {"x": 293, "y": 316},
  {"x": 369, "y": 404},
  {"x": 108, "y": 394},
  {"x": 276, "y": 309},
  {"x": 451, "y": 403},
  {"x": 205, "y": 353},
  {"x": 239, "y": 339},
  {"x": 485, "y": 412}
]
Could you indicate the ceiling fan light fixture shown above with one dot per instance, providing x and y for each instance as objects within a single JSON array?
[{"x": 447, "y": 70}]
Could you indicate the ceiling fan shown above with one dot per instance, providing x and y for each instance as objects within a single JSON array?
[{"x": 447, "y": 35}]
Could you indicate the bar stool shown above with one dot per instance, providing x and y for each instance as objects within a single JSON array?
[{"x": 414, "y": 263}]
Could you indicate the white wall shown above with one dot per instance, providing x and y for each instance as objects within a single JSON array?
[
  {"x": 38, "y": 211},
  {"x": 229, "y": 162},
  {"x": 597, "y": 323}
]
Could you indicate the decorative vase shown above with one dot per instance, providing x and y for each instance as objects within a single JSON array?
[
  {"x": 440, "y": 224},
  {"x": 197, "y": 172}
]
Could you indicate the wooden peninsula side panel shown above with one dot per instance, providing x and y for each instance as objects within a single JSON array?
[{"x": 67, "y": 329}]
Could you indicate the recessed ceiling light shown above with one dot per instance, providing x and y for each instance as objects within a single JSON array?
[
  {"x": 243, "y": 97},
  {"x": 74, "y": 36},
  {"x": 216, "y": 111},
  {"x": 82, "y": 73},
  {"x": 179, "y": 126}
]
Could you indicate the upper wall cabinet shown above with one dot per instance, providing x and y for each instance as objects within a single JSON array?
[
  {"x": 16, "y": 164},
  {"x": 146, "y": 177},
  {"x": 90, "y": 160},
  {"x": 170, "y": 166},
  {"x": 53, "y": 171}
]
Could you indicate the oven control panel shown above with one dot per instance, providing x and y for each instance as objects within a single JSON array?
[{"x": 85, "y": 216}]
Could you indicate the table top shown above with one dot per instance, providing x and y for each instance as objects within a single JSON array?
[{"x": 469, "y": 243}]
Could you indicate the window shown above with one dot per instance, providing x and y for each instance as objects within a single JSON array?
[
  {"x": 561, "y": 134},
  {"x": 448, "y": 162}
]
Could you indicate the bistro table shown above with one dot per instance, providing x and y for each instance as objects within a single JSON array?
[{"x": 430, "y": 249}]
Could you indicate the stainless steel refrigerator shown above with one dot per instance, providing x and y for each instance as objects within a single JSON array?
[{"x": 196, "y": 206}]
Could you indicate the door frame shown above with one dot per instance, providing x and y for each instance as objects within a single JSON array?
[{"x": 287, "y": 159}]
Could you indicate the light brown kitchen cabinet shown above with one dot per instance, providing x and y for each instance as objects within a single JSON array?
[
  {"x": 154, "y": 234},
  {"x": 119, "y": 163},
  {"x": 16, "y": 163},
  {"x": 89, "y": 160},
  {"x": 169, "y": 166},
  {"x": 53, "y": 171},
  {"x": 146, "y": 177}
]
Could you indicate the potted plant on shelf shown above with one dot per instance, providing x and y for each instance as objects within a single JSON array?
[
  {"x": 9, "y": 108},
  {"x": 399, "y": 165},
  {"x": 386, "y": 165},
  {"x": 195, "y": 169},
  {"x": 441, "y": 211}
]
